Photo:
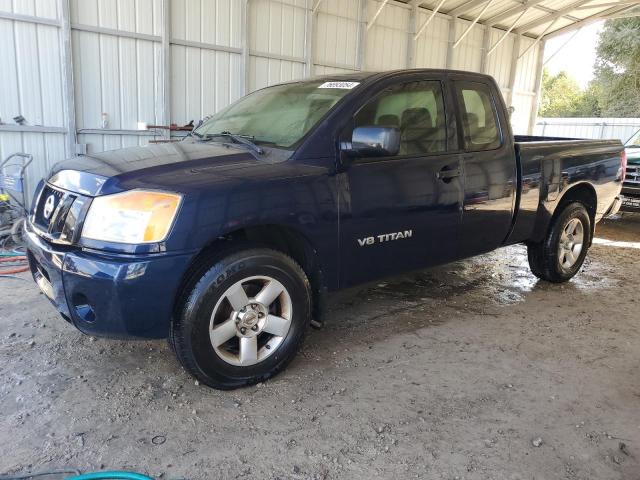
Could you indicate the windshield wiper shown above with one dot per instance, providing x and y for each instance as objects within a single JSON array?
[{"x": 242, "y": 139}]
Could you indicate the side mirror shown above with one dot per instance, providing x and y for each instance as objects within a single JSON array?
[{"x": 375, "y": 141}]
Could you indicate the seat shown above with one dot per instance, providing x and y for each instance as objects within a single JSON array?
[
  {"x": 416, "y": 127},
  {"x": 472, "y": 128}
]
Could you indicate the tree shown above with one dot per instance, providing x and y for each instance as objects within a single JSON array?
[
  {"x": 617, "y": 68},
  {"x": 561, "y": 95},
  {"x": 589, "y": 103}
]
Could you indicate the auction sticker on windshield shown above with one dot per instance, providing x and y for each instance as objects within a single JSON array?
[{"x": 343, "y": 85}]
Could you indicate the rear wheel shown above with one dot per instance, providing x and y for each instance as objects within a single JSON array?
[
  {"x": 243, "y": 319},
  {"x": 561, "y": 254}
]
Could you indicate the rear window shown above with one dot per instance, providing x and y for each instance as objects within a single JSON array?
[{"x": 479, "y": 116}]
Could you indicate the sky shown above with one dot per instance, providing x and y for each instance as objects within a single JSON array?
[{"x": 577, "y": 56}]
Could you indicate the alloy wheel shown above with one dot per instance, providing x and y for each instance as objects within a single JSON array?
[
  {"x": 250, "y": 320},
  {"x": 571, "y": 243}
]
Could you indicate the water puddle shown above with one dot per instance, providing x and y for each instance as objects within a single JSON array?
[{"x": 499, "y": 278}]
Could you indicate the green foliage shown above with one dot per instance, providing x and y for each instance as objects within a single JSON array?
[
  {"x": 617, "y": 69},
  {"x": 615, "y": 88},
  {"x": 561, "y": 96}
]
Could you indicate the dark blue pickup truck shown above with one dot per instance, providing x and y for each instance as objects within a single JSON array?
[{"x": 227, "y": 242}]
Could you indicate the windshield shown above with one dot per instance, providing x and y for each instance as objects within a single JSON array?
[
  {"x": 634, "y": 141},
  {"x": 280, "y": 115}
]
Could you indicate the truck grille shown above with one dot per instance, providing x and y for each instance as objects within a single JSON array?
[
  {"x": 633, "y": 175},
  {"x": 56, "y": 214}
]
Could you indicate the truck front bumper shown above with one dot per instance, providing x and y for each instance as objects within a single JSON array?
[{"x": 108, "y": 295}]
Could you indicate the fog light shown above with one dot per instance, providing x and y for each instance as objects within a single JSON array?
[{"x": 83, "y": 308}]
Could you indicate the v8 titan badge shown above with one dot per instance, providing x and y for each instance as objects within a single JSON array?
[{"x": 384, "y": 237}]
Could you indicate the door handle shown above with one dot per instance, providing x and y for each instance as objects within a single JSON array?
[{"x": 448, "y": 173}]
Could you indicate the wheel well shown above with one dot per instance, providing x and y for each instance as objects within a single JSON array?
[
  {"x": 276, "y": 237},
  {"x": 583, "y": 193}
]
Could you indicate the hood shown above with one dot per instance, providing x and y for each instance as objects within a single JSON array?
[{"x": 179, "y": 166}]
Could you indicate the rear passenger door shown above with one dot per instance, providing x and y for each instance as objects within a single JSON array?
[
  {"x": 489, "y": 168},
  {"x": 403, "y": 211}
]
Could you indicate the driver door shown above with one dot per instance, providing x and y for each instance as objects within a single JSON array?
[{"x": 403, "y": 212}]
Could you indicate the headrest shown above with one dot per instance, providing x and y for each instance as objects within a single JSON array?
[
  {"x": 388, "y": 120},
  {"x": 473, "y": 121},
  {"x": 416, "y": 118}
]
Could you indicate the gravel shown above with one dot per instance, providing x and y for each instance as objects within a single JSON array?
[{"x": 455, "y": 372}]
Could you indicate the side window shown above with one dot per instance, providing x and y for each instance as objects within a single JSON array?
[
  {"x": 416, "y": 109},
  {"x": 479, "y": 120}
]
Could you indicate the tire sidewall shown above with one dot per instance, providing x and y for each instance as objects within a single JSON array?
[
  {"x": 196, "y": 315},
  {"x": 573, "y": 210}
]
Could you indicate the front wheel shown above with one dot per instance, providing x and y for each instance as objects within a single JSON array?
[
  {"x": 561, "y": 254},
  {"x": 243, "y": 319}
]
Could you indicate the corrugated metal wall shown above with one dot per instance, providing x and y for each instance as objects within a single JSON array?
[
  {"x": 31, "y": 85},
  {"x": 214, "y": 52},
  {"x": 115, "y": 75},
  {"x": 597, "y": 128}
]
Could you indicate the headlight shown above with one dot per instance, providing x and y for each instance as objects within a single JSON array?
[{"x": 136, "y": 216}]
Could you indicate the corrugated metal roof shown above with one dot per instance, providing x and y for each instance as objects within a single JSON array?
[{"x": 534, "y": 18}]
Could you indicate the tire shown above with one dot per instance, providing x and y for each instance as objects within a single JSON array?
[
  {"x": 263, "y": 334},
  {"x": 550, "y": 259}
]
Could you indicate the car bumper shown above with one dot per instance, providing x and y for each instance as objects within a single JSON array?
[
  {"x": 630, "y": 199},
  {"x": 106, "y": 295}
]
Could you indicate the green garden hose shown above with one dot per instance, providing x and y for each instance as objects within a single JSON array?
[
  {"x": 110, "y": 476},
  {"x": 78, "y": 476}
]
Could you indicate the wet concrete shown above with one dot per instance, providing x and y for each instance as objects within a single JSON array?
[{"x": 445, "y": 373}]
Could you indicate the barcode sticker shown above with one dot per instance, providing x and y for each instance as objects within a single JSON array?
[{"x": 343, "y": 85}]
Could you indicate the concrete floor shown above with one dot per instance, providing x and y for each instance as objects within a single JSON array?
[{"x": 449, "y": 373}]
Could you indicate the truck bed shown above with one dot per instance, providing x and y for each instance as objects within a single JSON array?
[{"x": 561, "y": 163}]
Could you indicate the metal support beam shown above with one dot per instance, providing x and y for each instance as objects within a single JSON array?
[
  {"x": 32, "y": 129},
  {"x": 511, "y": 12},
  {"x": 375, "y": 17},
  {"x": 246, "y": 65},
  {"x": 277, "y": 56},
  {"x": 623, "y": 15},
  {"x": 486, "y": 40},
  {"x": 453, "y": 23},
  {"x": 115, "y": 32},
  {"x": 411, "y": 39},
  {"x": 537, "y": 40},
  {"x": 362, "y": 35},
  {"x": 515, "y": 55},
  {"x": 551, "y": 17},
  {"x": 475, "y": 20},
  {"x": 603, "y": 5},
  {"x": 205, "y": 46},
  {"x": 589, "y": 20},
  {"x": 465, "y": 8},
  {"x": 428, "y": 20},
  {"x": 17, "y": 17},
  {"x": 533, "y": 114},
  {"x": 562, "y": 46},
  {"x": 338, "y": 66},
  {"x": 506, "y": 34},
  {"x": 166, "y": 65},
  {"x": 68, "y": 89},
  {"x": 309, "y": 36},
  {"x": 317, "y": 6}
]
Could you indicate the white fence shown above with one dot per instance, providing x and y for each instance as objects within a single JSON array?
[{"x": 598, "y": 128}]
